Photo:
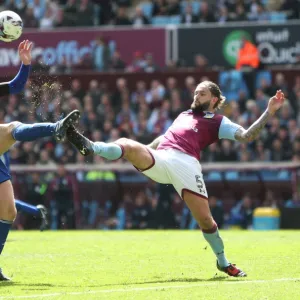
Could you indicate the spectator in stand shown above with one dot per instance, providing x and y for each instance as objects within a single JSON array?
[
  {"x": 70, "y": 13},
  {"x": 116, "y": 63},
  {"x": 227, "y": 153},
  {"x": 291, "y": 7},
  {"x": 48, "y": 20},
  {"x": 139, "y": 18},
  {"x": 173, "y": 7},
  {"x": 217, "y": 211},
  {"x": 77, "y": 90},
  {"x": 122, "y": 18},
  {"x": 160, "y": 8},
  {"x": 260, "y": 153},
  {"x": 248, "y": 62},
  {"x": 29, "y": 19},
  {"x": 62, "y": 206},
  {"x": 101, "y": 54},
  {"x": 137, "y": 64},
  {"x": 242, "y": 213},
  {"x": 85, "y": 14},
  {"x": 294, "y": 202},
  {"x": 140, "y": 217},
  {"x": 188, "y": 17},
  {"x": 188, "y": 91},
  {"x": 240, "y": 14},
  {"x": 201, "y": 63},
  {"x": 223, "y": 15},
  {"x": 206, "y": 14},
  {"x": 150, "y": 66}
]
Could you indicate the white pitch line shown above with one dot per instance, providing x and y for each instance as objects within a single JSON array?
[{"x": 149, "y": 288}]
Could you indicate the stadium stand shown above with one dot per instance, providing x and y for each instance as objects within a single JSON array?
[{"x": 144, "y": 111}]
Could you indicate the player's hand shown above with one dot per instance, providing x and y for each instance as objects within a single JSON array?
[
  {"x": 25, "y": 52},
  {"x": 276, "y": 102}
]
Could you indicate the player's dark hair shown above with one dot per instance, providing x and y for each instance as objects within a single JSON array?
[{"x": 216, "y": 92}]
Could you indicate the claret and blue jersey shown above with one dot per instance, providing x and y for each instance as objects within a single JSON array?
[{"x": 191, "y": 132}]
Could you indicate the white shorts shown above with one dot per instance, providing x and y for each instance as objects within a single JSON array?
[{"x": 171, "y": 166}]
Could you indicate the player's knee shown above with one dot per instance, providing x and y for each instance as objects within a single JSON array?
[
  {"x": 207, "y": 222},
  {"x": 10, "y": 213},
  {"x": 13, "y": 125},
  {"x": 127, "y": 144}
]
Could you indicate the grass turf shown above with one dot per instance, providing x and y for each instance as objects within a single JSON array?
[{"x": 149, "y": 265}]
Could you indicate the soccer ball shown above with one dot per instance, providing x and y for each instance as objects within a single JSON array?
[{"x": 11, "y": 26}]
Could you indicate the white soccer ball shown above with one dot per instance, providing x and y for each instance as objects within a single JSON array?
[{"x": 11, "y": 26}]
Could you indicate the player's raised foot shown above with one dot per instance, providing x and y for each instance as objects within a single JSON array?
[
  {"x": 83, "y": 144},
  {"x": 231, "y": 270},
  {"x": 62, "y": 125},
  {"x": 43, "y": 212},
  {"x": 3, "y": 277}
]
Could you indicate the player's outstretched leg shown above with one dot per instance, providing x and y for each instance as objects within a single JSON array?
[
  {"x": 16, "y": 131},
  {"x": 201, "y": 212},
  {"x": 8, "y": 213},
  {"x": 39, "y": 211},
  {"x": 136, "y": 153}
]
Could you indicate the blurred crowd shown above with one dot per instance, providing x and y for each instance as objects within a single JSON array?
[
  {"x": 146, "y": 112},
  {"x": 56, "y": 13},
  {"x": 143, "y": 113}
]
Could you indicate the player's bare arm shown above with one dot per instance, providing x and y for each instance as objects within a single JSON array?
[
  {"x": 16, "y": 85},
  {"x": 155, "y": 143},
  {"x": 254, "y": 130}
]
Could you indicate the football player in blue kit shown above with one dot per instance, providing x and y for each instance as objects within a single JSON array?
[
  {"x": 38, "y": 211},
  {"x": 17, "y": 131}
]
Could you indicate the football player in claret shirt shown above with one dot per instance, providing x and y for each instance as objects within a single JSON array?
[
  {"x": 17, "y": 131},
  {"x": 173, "y": 158}
]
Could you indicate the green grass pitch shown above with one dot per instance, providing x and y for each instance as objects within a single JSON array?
[{"x": 149, "y": 265}]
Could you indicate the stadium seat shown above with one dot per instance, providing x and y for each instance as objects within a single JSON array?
[
  {"x": 253, "y": 176},
  {"x": 112, "y": 47},
  {"x": 147, "y": 8},
  {"x": 176, "y": 20},
  {"x": 160, "y": 20},
  {"x": 130, "y": 178},
  {"x": 269, "y": 175},
  {"x": 231, "y": 175},
  {"x": 277, "y": 17},
  {"x": 284, "y": 175},
  {"x": 232, "y": 83},
  {"x": 214, "y": 176},
  {"x": 196, "y": 5},
  {"x": 267, "y": 75},
  {"x": 264, "y": 2}
]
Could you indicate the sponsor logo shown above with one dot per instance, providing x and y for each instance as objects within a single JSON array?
[{"x": 232, "y": 44}]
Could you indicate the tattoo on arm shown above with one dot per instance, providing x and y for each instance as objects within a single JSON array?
[
  {"x": 254, "y": 130},
  {"x": 155, "y": 143}
]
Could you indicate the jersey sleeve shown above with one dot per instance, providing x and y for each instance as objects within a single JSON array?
[
  {"x": 16, "y": 85},
  {"x": 228, "y": 129}
]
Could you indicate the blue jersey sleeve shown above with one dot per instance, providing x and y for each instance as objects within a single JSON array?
[
  {"x": 228, "y": 129},
  {"x": 18, "y": 83}
]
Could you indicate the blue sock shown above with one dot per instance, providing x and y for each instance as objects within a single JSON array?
[
  {"x": 31, "y": 132},
  {"x": 109, "y": 151},
  {"x": 213, "y": 238},
  {"x": 25, "y": 207},
  {"x": 4, "y": 230}
]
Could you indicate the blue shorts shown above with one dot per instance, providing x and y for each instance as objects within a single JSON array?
[{"x": 4, "y": 172}]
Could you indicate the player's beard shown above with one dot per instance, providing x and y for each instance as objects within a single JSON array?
[{"x": 200, "y": 107}]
